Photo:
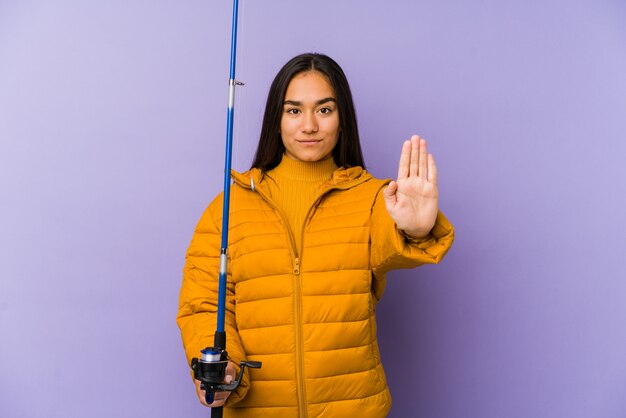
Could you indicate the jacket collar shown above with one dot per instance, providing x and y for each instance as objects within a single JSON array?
[{"x": 342, "y": 178}]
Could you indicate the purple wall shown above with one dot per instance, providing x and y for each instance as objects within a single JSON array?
[{"x": 112, "y": 118}]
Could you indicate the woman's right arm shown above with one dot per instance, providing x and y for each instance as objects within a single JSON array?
[{"x": 197, "y": 309}]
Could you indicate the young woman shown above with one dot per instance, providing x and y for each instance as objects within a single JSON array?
[{"x": 312, "y": 236}]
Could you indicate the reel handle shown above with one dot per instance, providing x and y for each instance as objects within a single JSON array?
[{"x": 235, "y": 383}]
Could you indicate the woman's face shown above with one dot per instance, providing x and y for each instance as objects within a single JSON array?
[{"x": 309, "y": 124}]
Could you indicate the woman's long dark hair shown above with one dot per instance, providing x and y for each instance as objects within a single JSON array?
[{"x": 347, "y": 152}]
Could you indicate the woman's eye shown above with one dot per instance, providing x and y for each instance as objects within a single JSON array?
[
  {"x": 325, "y": 110},
  {"x": 293, "y": 111}
]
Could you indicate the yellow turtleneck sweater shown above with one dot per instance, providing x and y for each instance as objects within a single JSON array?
[{"x": 294, "y": 185}]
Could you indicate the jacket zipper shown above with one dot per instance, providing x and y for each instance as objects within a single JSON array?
[
  {"x": 295, "y": 254},
  {"x": 302, "y": 410},
  {"x": 302, "y": 406}
]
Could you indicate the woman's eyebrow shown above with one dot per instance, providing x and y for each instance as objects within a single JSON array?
[{"x": 319, "y": 102}]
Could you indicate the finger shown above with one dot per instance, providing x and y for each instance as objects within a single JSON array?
[
  {"x": 423, "y": 160},
  {"x": 230, "y": 368},
  {"x": 201, "y": 393},
  {"x": 432, "y": 170},
  {"x": 390, "y": 190},
  {"x": 231, "y": 372},
  {"x": 220, "y": 396},
  {"x": 415, "y": 154},
  {"x": 217, "y": 402},
  {"x": 389, "y": 194},
  {"x": 219, "y": 399},
  {"x": 403, "y": 166},
  {"x": 202, "y": 397}
]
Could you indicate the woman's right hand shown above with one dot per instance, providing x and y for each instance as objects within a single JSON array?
[{"x": 221, "y": 396}]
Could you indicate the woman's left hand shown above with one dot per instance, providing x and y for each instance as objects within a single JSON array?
[{"x": 412, "y": 200}]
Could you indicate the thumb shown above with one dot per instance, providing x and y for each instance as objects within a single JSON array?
[
  {"x": 390, "y": 190},
  {"x": 389, "y": 193}
]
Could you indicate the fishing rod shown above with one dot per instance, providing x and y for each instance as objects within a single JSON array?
[{"x": 210, "y": 368}]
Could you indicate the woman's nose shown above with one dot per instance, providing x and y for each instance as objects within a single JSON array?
[{"x": 309, "y": 122}]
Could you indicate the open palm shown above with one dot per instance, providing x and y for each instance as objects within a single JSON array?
[{"x": 413, "y": 199}]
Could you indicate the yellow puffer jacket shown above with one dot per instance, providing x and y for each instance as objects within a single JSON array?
[{"x": 307, "y": 313}]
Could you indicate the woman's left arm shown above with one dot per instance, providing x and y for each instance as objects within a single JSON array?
[
  {"x": 406, "y": 228},
  {"x": 413, "y": 199}
]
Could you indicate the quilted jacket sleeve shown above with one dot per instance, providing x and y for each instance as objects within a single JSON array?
[
  {"x": 197, "y": 310},
  {"x": 390, "y": 248}
]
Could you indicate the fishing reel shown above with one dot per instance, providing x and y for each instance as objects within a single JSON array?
[{"x": 210, "y": 370}]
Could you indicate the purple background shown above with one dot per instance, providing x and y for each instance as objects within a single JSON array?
[{"x": 112, "y": 119}]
